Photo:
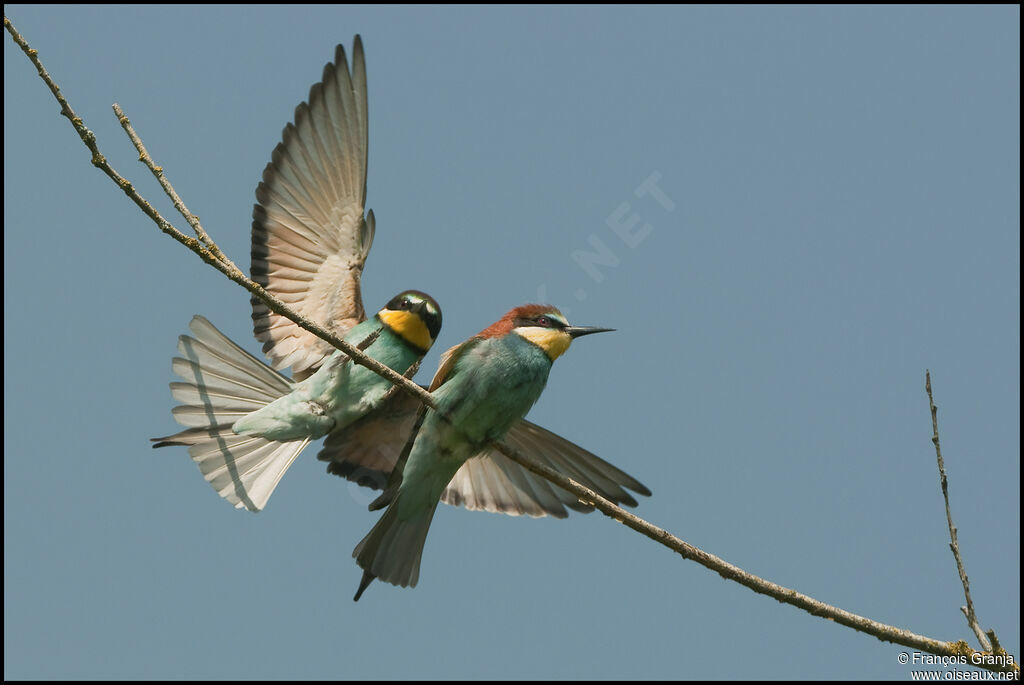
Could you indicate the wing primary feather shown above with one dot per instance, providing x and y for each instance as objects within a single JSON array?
[{"x": 311, "y": 233}]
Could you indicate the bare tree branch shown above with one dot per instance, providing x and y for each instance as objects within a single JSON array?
[
  {"x": 954, "y": 545},
  {"x": 210, "y": 253}
]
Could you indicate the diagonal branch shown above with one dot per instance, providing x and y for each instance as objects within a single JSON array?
[
  {"x": 211, "y": 254},
  {"x": 204, "y": 247},
  {"x": 886, "y": 633}
]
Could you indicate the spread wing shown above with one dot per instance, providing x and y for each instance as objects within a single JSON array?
[
  {"x": 309, "y": 235},
  {"x": 366, "y": 451},
  {"x": 490, "y": 481}
]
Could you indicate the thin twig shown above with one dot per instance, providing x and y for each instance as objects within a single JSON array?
[
  {"x": 954, "y": 545},
  {"x": 409, "y": 374},
  {"x": 179, "y": 204},
  {"x": 881, "y": 631},
  {"x": 89, "y": 138}
]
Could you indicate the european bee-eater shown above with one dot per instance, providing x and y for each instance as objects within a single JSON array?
[
  {"x": 248, "y": 423},
  {"x": 482, "y": 388}
]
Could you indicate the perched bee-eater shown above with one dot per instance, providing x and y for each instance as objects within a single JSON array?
[
  {"x": 482, "y": 388},
  {"x": 249, "y": 423}
]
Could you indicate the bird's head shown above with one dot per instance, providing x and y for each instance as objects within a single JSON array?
[
  {"x": 542, "y": 325},
  {"x": 415, "y": 316}
]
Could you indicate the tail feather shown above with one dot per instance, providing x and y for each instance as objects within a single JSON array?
[
  {"x": 201, "y": 417},
  {"x": 215, "y": 381},
  {"x": 393, "y": 548},
  {"x": 198, "y": 394},
  {"x": 222, "y": 383},
  {"x": 223, "y": 357}
]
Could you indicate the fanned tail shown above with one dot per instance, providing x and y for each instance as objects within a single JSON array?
[{"x": 222, "y": 383}]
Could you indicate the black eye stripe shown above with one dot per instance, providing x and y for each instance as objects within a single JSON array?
[
  {"x": 402, "y": 302},
  {"x": 543, "y": 321}
]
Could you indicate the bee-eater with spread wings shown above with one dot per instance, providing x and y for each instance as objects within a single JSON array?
[{"x": 310, "y": 238}]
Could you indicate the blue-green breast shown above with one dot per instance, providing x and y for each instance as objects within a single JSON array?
[
  {"x": 351, "y": 390},
  {"x": 493, "y": 384}
]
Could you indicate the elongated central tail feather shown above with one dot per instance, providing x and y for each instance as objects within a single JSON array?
[
  {"x": 393, "y": 548},
  {"x": 222, "y": 383}
]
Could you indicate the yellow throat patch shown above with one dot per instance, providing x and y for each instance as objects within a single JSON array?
[
  {"x": 552, "y": 341},
  {"x": 409, "y": 326}
]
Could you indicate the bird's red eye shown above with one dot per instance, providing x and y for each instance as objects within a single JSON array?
[{"x": 543, "y": 321}]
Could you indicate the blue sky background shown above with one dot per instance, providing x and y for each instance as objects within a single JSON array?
[{"x": 844, "y": 213}]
